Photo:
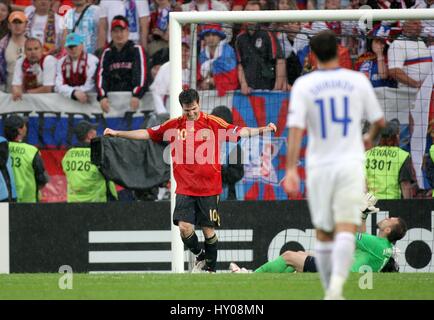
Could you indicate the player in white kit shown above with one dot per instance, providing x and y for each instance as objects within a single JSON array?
[{"x": 331, "y": 103}]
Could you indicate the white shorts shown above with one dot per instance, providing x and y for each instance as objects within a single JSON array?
[{"x": 335, "y": 194}]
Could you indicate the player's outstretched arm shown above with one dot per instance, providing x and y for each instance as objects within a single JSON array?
[
  {"x": 141, "y": 134},
  {"x": 251, "y": 132}
]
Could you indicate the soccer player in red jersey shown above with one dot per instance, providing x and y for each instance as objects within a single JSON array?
[{"x": 195, "y": 148}]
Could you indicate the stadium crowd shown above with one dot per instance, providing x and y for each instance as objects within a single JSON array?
[{"x": 74, "y": 47}]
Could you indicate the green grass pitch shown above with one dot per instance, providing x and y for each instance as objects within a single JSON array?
[{"x": 220, "y": 286}]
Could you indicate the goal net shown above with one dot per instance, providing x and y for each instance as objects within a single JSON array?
[{"x": 393, "y": 48}]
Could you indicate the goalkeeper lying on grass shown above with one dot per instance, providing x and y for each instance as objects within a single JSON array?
[{"x": 373, "y": 251}]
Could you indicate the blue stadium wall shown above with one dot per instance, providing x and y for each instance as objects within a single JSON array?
[{"x": 135, "y": 236}]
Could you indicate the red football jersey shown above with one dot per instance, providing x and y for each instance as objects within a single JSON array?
[{"x": 195, "y": 150}]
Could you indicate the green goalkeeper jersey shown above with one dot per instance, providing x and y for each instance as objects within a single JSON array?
[{"x": 371, "y": 251}]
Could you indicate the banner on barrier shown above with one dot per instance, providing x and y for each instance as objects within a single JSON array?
[
  {"x": 137, "y": 237},
  {"x": 266, "y": 167}
]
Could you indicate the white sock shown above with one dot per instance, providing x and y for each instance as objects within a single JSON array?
[
  {"x": 323, "y": 261},
  {"x": 342, "y": 259}
]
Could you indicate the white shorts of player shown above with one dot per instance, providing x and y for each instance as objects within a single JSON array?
[{"x": 335, "y": 194}]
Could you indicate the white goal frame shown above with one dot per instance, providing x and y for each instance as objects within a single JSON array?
[{"x": 177, "y": 19}]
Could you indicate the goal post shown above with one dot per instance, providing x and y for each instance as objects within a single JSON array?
[{"x": 177, "y": 19}]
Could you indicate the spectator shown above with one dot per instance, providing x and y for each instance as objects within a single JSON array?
[
  {"x": 45, "y": 25},
  {"x": 289, "y": 40},
  {"x": 85, "y": 183},
  {"x": 12, "y": 48},
  {"x": 260, "y": 60},
  {"x": 122, "y": 67},
  {"x": 230, "y": 159},
  {"x": 427, "y": 25},
  {"x": 204, "y": 5},
  {"x": 373, "y": 63},
  {"x": 21, "y": 5},
  {"x": 5, "y": 10},
  {"x": 135, "y": 11},
  {"x": 389, "y": 169},
  {"x": 267, "y": 4},
  {"x": 335, "y": 26},
  {"x": 310, "y": 62},
  {"x": 355, "y": 39},
  {"x": 390, "y": 4},
  {"x": 61, "y": 7},
  {"x": 159, "y": 27},
  {"x": 75, "y": 72},
  {"x": 35, "y": 72},
  {"x": 28, "y": 168},
  {"x": 160, "y": 87},
  {"x": 423, "y": 4},
  {"x": 58, "y": 6},
  {"x": 209, "y": 5},
  {"x": 217, "y": 61},
  {"x": 83, "y": 19},
  {"x": 410, "y": 60},
  {"x": 238, "y": 5},
  {"x": 286, "y": 5},
  {"x": 346, "y": 29},
  {"x": 8, "y": 191},
  {"x": 409, "y": 64},
  {"x": 158, "y": 59},
  {"x": 322, "y": 4}
]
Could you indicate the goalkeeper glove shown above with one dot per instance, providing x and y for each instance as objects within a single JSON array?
[
  {"x": 368, "y": 211},
  {"x": 370, "y": 199},
  {"x": 369, "y": 206}
]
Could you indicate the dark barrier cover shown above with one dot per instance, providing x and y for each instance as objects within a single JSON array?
[
  {"x": 136, "y": 235},
  {"x": 132, "y": 164}
]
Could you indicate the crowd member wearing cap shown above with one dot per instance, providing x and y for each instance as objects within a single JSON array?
[
  {"x": 27, "y": 164},
  {"x": 160, "y": 87},
  {"x": 122, "y": 67},
  {"x": 8, "y": 192},
  {"x": 75, "y": 71},
  {"x": 85, "y": 183},
  {"x": 46, "y": 25},
  {"x": 5, "y": 10},
  {"x": 83, "y": 19},
  {"x": 389, "y": 169},
  {"x": 217, "y": 61},
  {"x": 137, "y": 14},
  {"x": 12, "y": 48},
  {"x": 35, "y": 72}
]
